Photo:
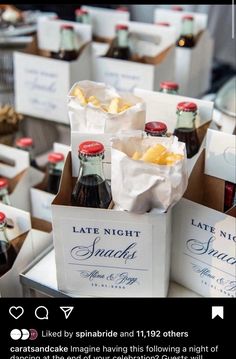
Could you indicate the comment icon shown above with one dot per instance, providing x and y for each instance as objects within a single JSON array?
[{"x": 41, "y": 313}]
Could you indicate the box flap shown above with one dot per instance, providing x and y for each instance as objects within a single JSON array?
[
  {"x": 59, "y": 147},
  {"x": 48, "y": 33},
  {"x": 220, "y": 159},
  {"x": 162, "y": 107},
  {"x": 175, "y": 18},
  {"x": 105, "y": 20},
  {"x": 12, "y": 161}
]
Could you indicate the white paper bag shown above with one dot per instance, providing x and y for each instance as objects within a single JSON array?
[
  {"x": 91, "y": 119},
  {"x": 138, "y": 186}
]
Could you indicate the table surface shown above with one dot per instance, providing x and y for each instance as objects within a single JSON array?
[{"x": 42, "y": 276}]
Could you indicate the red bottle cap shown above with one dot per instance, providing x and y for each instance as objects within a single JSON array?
[
  {"x": 67, "y": 27},
  {"x": 122, "y": 8},
  {"x": 168, "y": 85},
  {"x": 187, "y": 106},
  {"x": 2, "y": 217},
  {"x": 55, "y": 157},
  {"x": 24, "y": 142},
  {"x": 91, "y": 148},
  {"x": 162, "y": 23},
  {"x": 3, "y": 183},
  {"x": 176, "y": 8},
  {"x": 188, "y": 17},
  {"x": 155, "y": 127},
  {"x": 121, "y": 27},
  {"x": 81, "y": 12}
]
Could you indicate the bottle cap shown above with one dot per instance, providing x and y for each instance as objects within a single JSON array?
[
  {"x": 81, "y": 12},
  {"x": 24, "y": 142},
  {"x": 188, "y": 17},
  {"x": 2, "y": 217},
  {"x": 122, "y": 8},
  {"x": 187, "y": 106},
  {"x": 91, "y": 148},
  {"x": 155, "y": 127},
  {"x": 121, "y": 27},
  {"x": 176, "y": 8},
  {"x": 3, "y": 183},
  {"x": 162, "y": 23},
  {"x": 55, "y": 157},
  {"x": 168, "y": 85},
  {"x": 67, "y": 27}
]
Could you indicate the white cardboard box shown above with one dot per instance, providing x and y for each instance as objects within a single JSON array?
[
  {"x": 203, "y": 255},
  {"x": 105, "y": 252},
  {"x": 40, "y": 199},
  {"x": 105, "y": 20},
  {"x": 15, "y": 166},
  {"x": 126, "y": 75},
  {"x": 34, "y": 238},
  {"x": 192, "y": 73},
  {"x": 41, "y": 84},
  {"x": 162, "y": 107}
]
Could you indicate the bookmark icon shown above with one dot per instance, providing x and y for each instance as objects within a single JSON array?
[
  {"x": 217, "y": 311},
  {"x": 67, "y": 311}
]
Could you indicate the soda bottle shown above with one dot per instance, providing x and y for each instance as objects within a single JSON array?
[
  {"x": 122, "y": 8},
  {"x": 155, "y": 128},
  {"x": 176, "y": 8},
  {"x": 55, "y": 166},
  {"x": 169, "y": 87},
  {"x": 121, "y": 49},
  {"x": 230, "y": 195},
  {"x": 91, "y": 188},
  {"x": 185, "y": 128},
  {"x": 7, "y": 251},
  {"x": 186, "y": 38},
  {"x": 82, "y": 16},
  {"x": 27, "y": 144},
  {"x": 4, "y": 195},
  {"x": 68, "y": 49}
]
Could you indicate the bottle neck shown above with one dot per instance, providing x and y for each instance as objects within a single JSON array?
[
  {"x": 186, "y": 120},
  {"x": 187, "y": 27},
  {"x": 4, "y": 196},
  {"x": 91, "y": 165},
  {"x": 68, "y": 42},
  {"x": 122, "y": 38},
  {"x": 169, "y": 91},
  {"x": 55, "y": 168},
  {"x": 3, "y": 234}
]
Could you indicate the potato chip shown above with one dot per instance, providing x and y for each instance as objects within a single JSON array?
[
  {"x": 80, "y": 95},
  {"x": 94, "y": 101},
  {"x": 153, "y": 153},
  {"x": 124, "y": 107},
  {"x": 137, "y": 155},
  {"x": 114, "y": 105}
]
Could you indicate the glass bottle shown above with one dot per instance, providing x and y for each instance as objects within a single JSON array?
[
  {"x": 185, "y": 128},
  {"x": 82, "y": 16},
  {"x": 91, "y": 188},
  {"x": 55, "y": 167},
  {"x": 68, "y": 49},
  {"x": 4, "y": 195},
  {"x": 155, "y": 128},
  {"x": 121, "y": 49},
  {"x": 27, "y": 144},
  {"x": 169, "y": 87},
  {"x": 186, "y": 38},
  {"x": 7, "y": 251},
  {"x": 230, "y": 195}
]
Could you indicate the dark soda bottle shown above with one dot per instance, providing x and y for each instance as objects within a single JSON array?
[
  {"x": 185, "y": 128},
  {"x": 155, "y": 128},
  {"x": 7, "y": 251},
  {"x": 121, "y": 48},
  {"x": 230, "y": 195},
  {"x": 91, "y": 188},
  {"x": 68, "y": 50},
  {"x": 186, "y": 38},
  {"x": 169, "y": 87},
  {"x": 55, "y": 166},
  {"x": 4, "y": 195},
  {"x": 27, "y": 144}
]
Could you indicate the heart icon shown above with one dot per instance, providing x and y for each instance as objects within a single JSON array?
[{"x": 16, "y": 312}]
